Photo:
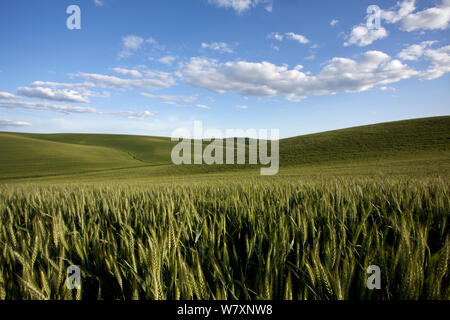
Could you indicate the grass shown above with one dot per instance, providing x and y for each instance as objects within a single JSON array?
[
  {"x": 85, "y": 157},
  {"x": 141, "y": 228}
]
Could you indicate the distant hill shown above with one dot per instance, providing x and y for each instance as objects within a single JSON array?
[
  {"x": 391, "y": 139},
  {"x": 26, "y": 155}
]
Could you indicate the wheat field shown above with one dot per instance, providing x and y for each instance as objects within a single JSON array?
[{"x": 253, "y": 240}]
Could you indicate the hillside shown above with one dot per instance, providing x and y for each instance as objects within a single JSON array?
[
  {"x": 153, "y": 150},
  {"x": 419, "y": 142},
  {"x": 408, "y": 138},
  {"x": 24, "y": 156}
]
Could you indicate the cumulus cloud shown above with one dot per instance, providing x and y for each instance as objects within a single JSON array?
[
  {"x": 429, "y": 19},
  {"x": 218, "y": 46},
  {"x": 414, "y": 51},
  {"x": 153, "y": 80},
  {"x": 67, "y": 109},
  {"x": 65, "y": 95},
  {"x": 399, "y": 11},
  {"x": 241, "y": 6},
  {"x": 11, "y": 123},
  {"x": 98, "y": 3},
  {"x": 363, "y": 36},
  {"x": 297, "y": 37},
  {"x": 439, "y": 58},
  {"x": 6, "y": 95},
  {"x": 433, "y": 18},
  {"x": 264, "y": 79},
  {"x": 405, "y": 14},
  {"x": 167, "y": 60},
  {"x": 128, "y": 72},
  {"x": 440, "y": 62}
]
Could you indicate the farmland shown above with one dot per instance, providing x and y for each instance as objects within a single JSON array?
[{"x": 142, "y": 228}]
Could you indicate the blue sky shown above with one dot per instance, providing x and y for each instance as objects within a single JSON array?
[{"x": 149, "y": 67}]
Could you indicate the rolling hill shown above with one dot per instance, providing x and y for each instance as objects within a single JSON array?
[{"x": 416, "y": 144}]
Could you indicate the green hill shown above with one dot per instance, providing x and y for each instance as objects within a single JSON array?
[
  {"x": 28, "y": 156},
  {"x": 154, "y": 150},
  {"x": 410, "y": 144},
  {"x": 408, "y": 138}
]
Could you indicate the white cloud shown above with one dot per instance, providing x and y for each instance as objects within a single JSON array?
[
  {"x": 53, "y": 94},
  {"x": 265, "y": 79},
  {"x": 98, "y": 3},
  {"x": 62, "y": 85},
  {"x": 11, "y": 123},
  {"x": 201, "y": 106},
  {"x": 104, "y": 94},
  {"x": 134, "y": 115},
  {"x": 218, "y": 46},
  {"x": 241, "y": 6},
  {"x": 440, "y": 59},
  {"x": 398, "y": 12},
  {"x": 433, "y": 18},
  {"x": 242, "y": 107},
  {"x": 288, "y": 35},
  {"x": 362, "y": 36},
  {"x": 275, "y": 36},
  {"x": 172, "y": 103},
  {"x": 269, "y": 5},
  {"x": 170, "y": 98},
  {"x": 155, "y": 44},
  {"x": 128, "y": 72},
  {"x": 81, "y": 88},
  {"x": 6, "y": 95},
  {"x": 334, "y": 22},
  {"x": 429, "y": 19},
  {"x": 130, "y": 43},
  {"x": 415, "y": 51},
  {"x": 167, "y": 60},
  {"x": 297, "y": 37},
  {"x": 385, "y": 88},
  {"x": 67, "y": 109},
  {"x": 154, "y": 80}
]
